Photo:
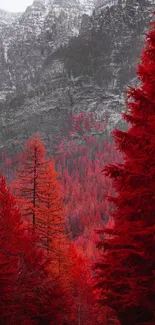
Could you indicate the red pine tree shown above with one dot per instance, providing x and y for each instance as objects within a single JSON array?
[
  {"x": 27, "y": 294},
  {"x": 126, "y": 271},
  {"x": 15, "y": 250},
  {"x": 28, "y": 174},
  {"x": 50, "y": 214}
]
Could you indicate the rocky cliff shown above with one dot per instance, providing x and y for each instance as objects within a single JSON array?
[{"x": 67, "y": 55}]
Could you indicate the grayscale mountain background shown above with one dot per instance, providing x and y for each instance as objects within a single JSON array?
[{"x": 62, "y": 56}]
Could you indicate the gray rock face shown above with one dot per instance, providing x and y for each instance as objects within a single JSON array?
[
  {"x": 57, "y": 57},
  {"x": 29, "y": 38}
]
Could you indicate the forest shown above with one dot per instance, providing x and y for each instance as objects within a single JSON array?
[{"x": 78, "y": 228}]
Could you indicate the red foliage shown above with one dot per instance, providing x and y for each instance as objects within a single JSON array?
[
  {"x": 11, "y": 234},
  {"x": 80, "y": 159},
  {"x": 126, "y": 270},
  {"x": 28, "y": 294},
  {"x": 86, "y": 310},
  {"x": 30, "y": 171},
  {"x": 50, "y": 217},
  {"x": 39, "y": 198},
  {"x": 44, "y": 293}
]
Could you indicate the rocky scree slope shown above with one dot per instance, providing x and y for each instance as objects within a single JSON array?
[{"x": 56, "y": 58}]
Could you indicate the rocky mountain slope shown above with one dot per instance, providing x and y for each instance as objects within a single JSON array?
[
  {"x": 61, "y": 56},
  {"x": 30, "y": 38}
]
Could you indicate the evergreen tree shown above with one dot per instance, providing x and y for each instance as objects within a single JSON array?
[
  {"x": 27, "y": 183},
  {"x": 51, "y": 219},
  {"x": 38, "y": 193},
  {"x": 126, "y": 270},
  {"x": 28, "y": 295}
]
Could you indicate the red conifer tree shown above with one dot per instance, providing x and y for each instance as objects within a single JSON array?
[
  {"x": 28, "y": 295},
  {"x": 28, "y": 174},
  {"x": 51, "y": 219},
  {"x": 21, "y": 262},
  {"x": 126, "y": 271}
]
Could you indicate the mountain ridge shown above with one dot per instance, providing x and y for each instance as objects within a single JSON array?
[{"x": 48, "y": 73}]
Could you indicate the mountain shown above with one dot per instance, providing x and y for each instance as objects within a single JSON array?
[
  {"x": 32, "y": 36},
  {"x": 65, "y": 55}
]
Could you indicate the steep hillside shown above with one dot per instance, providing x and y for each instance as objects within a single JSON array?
[
  {"x": 28, "y": 39},
  {"x": 60, "y": 59}
]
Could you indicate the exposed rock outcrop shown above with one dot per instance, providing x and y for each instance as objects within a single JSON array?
[{"x": 57, "y": 57}]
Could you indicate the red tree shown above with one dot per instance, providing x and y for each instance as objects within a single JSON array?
[
  {"x": 39, "y": 197},
  {"x": 28, "y": 175},
  {"x": 50, "y": 216},
  {"x": 20, "y": 260},
  {"x": 28, "y": 295},
  {"x": 126, "y": 271}
]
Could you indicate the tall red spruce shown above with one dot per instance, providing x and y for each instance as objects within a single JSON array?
[
  {"x": 30, "y": 171},
  {"x": 126, "y": 270}
]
